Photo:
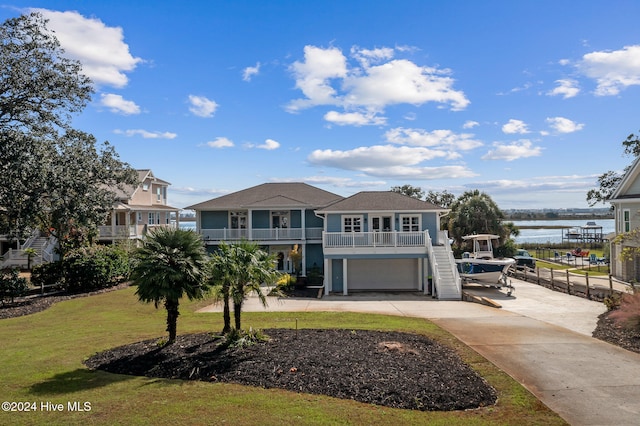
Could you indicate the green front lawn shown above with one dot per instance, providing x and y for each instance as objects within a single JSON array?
[{"x": 42, "y": 354}]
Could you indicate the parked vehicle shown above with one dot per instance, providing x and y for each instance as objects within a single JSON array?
[{"x": 524, "y": 259}]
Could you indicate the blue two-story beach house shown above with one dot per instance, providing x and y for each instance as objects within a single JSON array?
[{"x": 371, "y": 241}]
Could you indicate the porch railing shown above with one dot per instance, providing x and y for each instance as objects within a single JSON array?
[
  {"x": 117, "y": 231},
  {"x": 261, "y": 234},
  {"x": 375, "y": 239}
]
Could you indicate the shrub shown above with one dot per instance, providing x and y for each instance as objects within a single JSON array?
[
  {"x": 612, "y": 302},
  {"x": 47, "y": 274},
  {"x": 12, "y": 285},
  {"x": 314, "y": 276},
  {"x": 240, "y": 338},
  {"x": 94, "y": 268},
  {"x": 628, "y": 314}
]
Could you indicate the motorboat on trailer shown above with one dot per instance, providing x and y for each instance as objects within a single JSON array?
[{"x": 480, "y": 267}]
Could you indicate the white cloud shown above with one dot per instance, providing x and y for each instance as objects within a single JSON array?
[
  {"x": 220, "y": 142},
  {"x": 443, "y": 139},
  {"x": 470, "y": 124},
  {"x": 201, "y": 106},
  {"x": 118, "y": 104},
  {"x": 146, "y": 134},
  {"x": 354, "y": 118},
  {"x": 567, "y": 88},
  {"x": 365, "y": 158},
  {"x": 401, "y": 81},
  {"x": 269, "y": 145},
  {"x": 104, "y": 55},
  {"x": 313, "y": 76},
  {"x": 613, "y": 70},
  {"x": 366, "y": 56},
  {"x": 339, "y": 182},
  {"x": 512, "y": 151},
  {"x": 564, "y": 125},
  {"x": 325, "y": 78},
  {"x": 249, "y": 72},
  {"x": 515, "y": 126}
]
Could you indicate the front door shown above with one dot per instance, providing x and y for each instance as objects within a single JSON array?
[{"x": 381, "y": 226}]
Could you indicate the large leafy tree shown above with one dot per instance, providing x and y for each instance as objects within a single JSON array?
[
  {"x": 78, "y": 194},
  {"x": 608, "y": 181},
  {"x": 474, "y": 212},
  {"x": 170, "y": 264},
  {"x": 443, "y": 199},
  {"x": 409, "y": 190},
  {"x": 47, "y": 167},
  {"x": 39, "y": 87}
]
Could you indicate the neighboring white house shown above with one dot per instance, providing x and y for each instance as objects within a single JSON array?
[{"x": 626, "y": 204}]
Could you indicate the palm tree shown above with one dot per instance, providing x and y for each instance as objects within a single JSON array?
[
  {"x": 222, "y": 275},
  {"x": 170, "y": 264},
  {"x": 254, "y": 267}
]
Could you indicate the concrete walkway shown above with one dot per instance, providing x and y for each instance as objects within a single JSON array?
[{"x": 541, "y": 338}]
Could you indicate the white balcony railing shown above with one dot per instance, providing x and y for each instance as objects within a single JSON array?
[
  {"x": 375, "y": 239},
  {"x": 117, "y": 231},
  {"x": 262, "y": 234}
]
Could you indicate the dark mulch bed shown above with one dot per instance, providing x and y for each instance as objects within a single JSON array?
[
  {"x": 609, "y": 331},
  {"x": 386, "y": 368}
]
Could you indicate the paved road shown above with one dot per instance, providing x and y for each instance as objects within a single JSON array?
[{"x": 541, "y": 338}]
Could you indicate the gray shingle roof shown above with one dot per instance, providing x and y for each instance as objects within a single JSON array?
[
  {"x": 271, "y": 195},
  {"x": 380, "y": 200}
]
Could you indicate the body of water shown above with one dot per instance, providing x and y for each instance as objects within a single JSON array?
[
  {"x": 545, "y": 235},
  {"x": 188, "y": 225}
]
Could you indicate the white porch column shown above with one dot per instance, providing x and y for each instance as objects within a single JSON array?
[
  {"x": 303, "y": 249},
  {"x": 127, "y": 224},
  {"x": 304, "y": 227},
  {"x": 250, "y": 224},
  {"x": 113, "y": 223},
  {"x": 422, "y": 285},
  {"x": 327, "y": 276},
  {"x": 344, "y": 277}
]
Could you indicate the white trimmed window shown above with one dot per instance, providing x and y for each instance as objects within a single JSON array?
[
  {"x": 238, "y": 220},
  {"x": 626, "y": 220},
  {"x": 154, "y": 218},
  {"x": 410, "y": 223},
  {"x": 352, "y": 224}
]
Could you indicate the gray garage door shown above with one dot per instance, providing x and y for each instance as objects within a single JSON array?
[{"x": 383, "y": 274}]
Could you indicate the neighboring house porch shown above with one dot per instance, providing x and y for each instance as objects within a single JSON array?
[{"x": 139, "y": 209}]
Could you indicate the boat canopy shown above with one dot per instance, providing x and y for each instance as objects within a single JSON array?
[{"x": 482, "y": 245}]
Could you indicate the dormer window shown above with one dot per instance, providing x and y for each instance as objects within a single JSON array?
[{"x": 145, "y": 186}]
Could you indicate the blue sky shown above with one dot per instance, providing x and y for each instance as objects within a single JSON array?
[{"x": 528, "y": 101}]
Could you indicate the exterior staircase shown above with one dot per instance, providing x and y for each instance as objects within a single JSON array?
[
  {"x": 17, "y": 258},
  {"x": 448, "y": 284}
]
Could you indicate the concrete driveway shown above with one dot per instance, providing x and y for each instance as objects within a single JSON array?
[{"x": 539, "y": 337}]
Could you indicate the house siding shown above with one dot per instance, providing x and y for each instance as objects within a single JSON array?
[
  {"x": 311, "y": 220},
  {"x": 214, "y": 219},
  {"x": 314, "y": 256},
  {"x": 261, "y": 219}
]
